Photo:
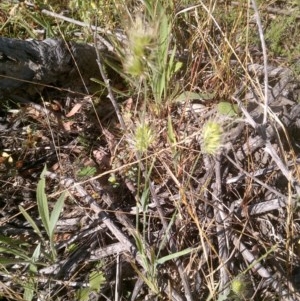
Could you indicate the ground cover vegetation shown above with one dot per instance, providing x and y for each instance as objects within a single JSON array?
[{"x": 173, "y": 174}]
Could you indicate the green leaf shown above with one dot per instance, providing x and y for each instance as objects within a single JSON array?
[
  {"x": 31, "y": 221},
  {"x": 227, "y": 109},
  {"x": 186, "y": 95},
  {"x": 15, "y": 253},
  {"x": 145, "y": 199},
  {"x": 177, "y": 66},
  {"x": 171, "y": 133},
  {"x": 29, "y": 289},
  {"x": 174, "y": 255},
  {"x": 96, "y": 279},
  {"x": 35, "y": 256},
  {"x": 10, "y": 261},
  {"x": 83, "y": 294},
  {"x": 42, "y": 202},
  {"x": 56, "y": 212},
  {"x": 87, "y": 171},
  {"x": 13, "y": 242}
]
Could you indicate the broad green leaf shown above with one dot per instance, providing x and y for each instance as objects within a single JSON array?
[
  {"x": 13, "y": 242},
  {"x": 35, "y": 257},
  {"x": 96, "y": 279},
  {"x": 186, "y": 95},
  {"x": 31, "y": 221},
  {"x": 42, "y": 202},
  {"x": 10, "y": 261},
  {"x": 29, "y": 287},
  {"x": 177, "y": 66},
  {"x": 83, "y": 294},
  {"x": 87, "y": 171},
  {"x": 15, "y": 253},
  {"x": 227, "y": 109},
  {"x": 56, "y": 212}
]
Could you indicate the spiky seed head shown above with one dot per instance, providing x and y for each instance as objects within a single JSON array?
[
  {"x": 144, "y": 137},
  {"x": 211, "y": 137},
  {"x": 141, "y": 36},
  {"x": 241, "y": 287}
]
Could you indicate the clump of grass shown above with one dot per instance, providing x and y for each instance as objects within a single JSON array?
[
  {"x": 148, "y": 58},
  {"x": 278, "y": 36}
]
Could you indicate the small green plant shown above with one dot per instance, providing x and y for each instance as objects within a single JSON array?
[
  {"x": 96, "y": 281},
  {"x": 49, "y": 221},
  {"x": 14, "y": 251},
  {"x": 227, "y": 109},
  {"x": 87, "y": 171},
  {"x": 279, "y": 33},
  {"x": 30, "y": 283}
]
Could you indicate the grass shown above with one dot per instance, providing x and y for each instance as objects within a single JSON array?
[{"x": 159, "y": 168}]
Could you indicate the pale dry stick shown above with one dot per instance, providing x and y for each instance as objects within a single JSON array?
[
  {"x": 70, "y": 184},
  {"x": 84, "y": 232},
  {"x": 285, "y": 74},
  {"x": 261, "y": 207},
  {"x": 172, "y": 244},
  {"x": 112, "y": 249},
  {"x": 137, "y": 288},
  {"x": 98, "y": 213},
  {"x": 242, "y": 176},
  {"x": 222, "y": 226},
  {"x": 121, "y": 37},
  {"x": 268, "y": 147},
  {"x": 118, "y": 279},
  {"x": 95, "y": 255},
  {"x": 264, "y": 50},
  {"x": 280, "y": 195},
  {"x": 257, "y": 267},
  {"x": 249, "y": 119},
  {"x": 270, "y": 150},
  {"x": 42, "y": 279},
  {"x": 260, "y": 172},
  {"x": 109, "y": 89},
  {"x": 271, "y": 10}
]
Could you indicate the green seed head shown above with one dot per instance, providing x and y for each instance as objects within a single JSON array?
[
  {"x": 144, "y": 137},
  {"x": 241, "y": 287},
  {"x": 211, "y": 137},
  {"x": 141, "y": 37}
]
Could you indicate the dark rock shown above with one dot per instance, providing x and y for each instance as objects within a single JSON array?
[{"x": 29, "y": 65}]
